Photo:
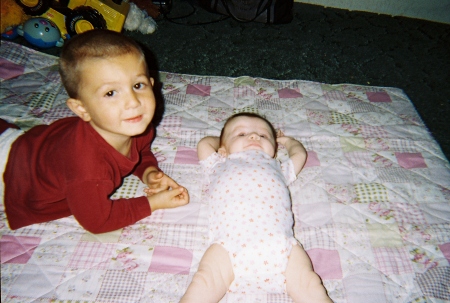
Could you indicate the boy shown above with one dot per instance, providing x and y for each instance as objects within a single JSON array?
[
  {"x": 74, "y": 165},
  {"x": 253, "y": 248}
]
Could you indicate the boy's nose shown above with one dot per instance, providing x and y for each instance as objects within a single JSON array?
[{"x": 132, "y": 101}]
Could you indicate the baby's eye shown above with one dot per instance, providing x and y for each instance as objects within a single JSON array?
[
  {"x": 263, "y": 136},
  {"x": 241, "y": 134},
  {"x": 110, "y": 93}
]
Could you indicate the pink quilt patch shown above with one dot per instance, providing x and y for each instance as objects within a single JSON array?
[
  {"x": 17, "y": 249},
  {"x": 186, "y": 155},
  {"x": 9, "y": 69},
  {"x": 289, "y": 93},
  {"x": 410, "y": 160},
  {"x": 171, "y": 260},
  {"x": 378, "y": 97},
  {"x": 312, "y": 159},
  {"x": 326, "y": 263},
  {"x": 445, "y": 248},
  {"x": 198, "y": 89}
]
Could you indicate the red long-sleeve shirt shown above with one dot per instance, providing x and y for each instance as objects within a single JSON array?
[{"x": 67, "y": 168}]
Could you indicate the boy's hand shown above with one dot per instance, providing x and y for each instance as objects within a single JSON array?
[
  {"x": 169, "y": 198},
  {"x": 158, "y": 181}
]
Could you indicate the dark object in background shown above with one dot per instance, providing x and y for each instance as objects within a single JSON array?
[{"x": 264, "y": 11}]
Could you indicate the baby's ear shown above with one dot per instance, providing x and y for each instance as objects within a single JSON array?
[
  {"x": 222, "y": 151},
  {"x": 78, "y": 108}
]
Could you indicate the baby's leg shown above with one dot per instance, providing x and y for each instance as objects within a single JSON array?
[
  {"x": 213, "y": 277},
  {"x": 302, "y": 283}
]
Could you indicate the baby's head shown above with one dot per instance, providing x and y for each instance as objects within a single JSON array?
[
  {"x": 93, "y": 44},
  {"x": 247, "y": 131}
]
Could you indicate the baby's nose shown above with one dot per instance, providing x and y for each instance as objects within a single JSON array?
[{"x": 254, "y": 136}]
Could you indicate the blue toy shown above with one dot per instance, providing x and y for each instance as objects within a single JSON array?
[
  {"x": 10, "y": 33},
  {"x": 41, "y": 32}
]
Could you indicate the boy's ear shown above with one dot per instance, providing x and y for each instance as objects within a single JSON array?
[
  {"x": 152, "y": 81},
  {"x": 222, "y": 151},
  {"x": 78, "y": 108}
]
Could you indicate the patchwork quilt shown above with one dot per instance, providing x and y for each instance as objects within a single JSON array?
[{"x": 371, "y": 206}]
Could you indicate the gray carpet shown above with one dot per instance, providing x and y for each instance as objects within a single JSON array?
[{"x": 320, "y": 44}]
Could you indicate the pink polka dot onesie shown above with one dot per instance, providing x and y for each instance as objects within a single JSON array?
[{"x": 250, "y": 216}]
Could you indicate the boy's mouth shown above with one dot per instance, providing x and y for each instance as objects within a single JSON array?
[{"x": 134, "y": 119}]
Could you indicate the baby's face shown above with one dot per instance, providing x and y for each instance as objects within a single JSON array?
[
  {"x": 118, "y": 95},
  {"x": 248, "y": 133}
]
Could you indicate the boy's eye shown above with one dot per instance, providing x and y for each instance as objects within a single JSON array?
[
  {"x": 263, "y": 136},
  {"x": 139, "y": 85},
  {"x": 110, "y": 94},
  {"x": 241, "y": 134}
]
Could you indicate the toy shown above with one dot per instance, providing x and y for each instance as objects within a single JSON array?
[
  {"x": 138, "y": 19},
  {"x": 76, "y": 16},
  {"x": 41, "y": 32},
  {"x": 11, "y": 15}
]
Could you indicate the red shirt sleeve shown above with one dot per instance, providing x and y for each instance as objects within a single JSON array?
[
  {"x": 147, "y": 158},
  {"x": 104, "y": 214}
]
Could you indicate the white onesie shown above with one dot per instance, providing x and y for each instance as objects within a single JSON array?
[{"x": 250, "y": 216}]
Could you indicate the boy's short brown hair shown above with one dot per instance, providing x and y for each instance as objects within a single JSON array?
[{"x": 97, "y": 43}]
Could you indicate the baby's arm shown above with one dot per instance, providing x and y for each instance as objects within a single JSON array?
[
  {"x": 207, "y": 146},
  {"x": 296, "y": 151}
]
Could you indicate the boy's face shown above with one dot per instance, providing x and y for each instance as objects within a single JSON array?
[
  {"x": 116, "y": 96},
  {"x": 248, "y": 133}
]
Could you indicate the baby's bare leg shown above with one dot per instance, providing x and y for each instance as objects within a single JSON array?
[
  {"x": 213, "y": 277},
  {"x": 302, "y": 283}
]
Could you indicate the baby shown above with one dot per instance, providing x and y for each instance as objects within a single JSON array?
[{"x": 253, "y": 247}]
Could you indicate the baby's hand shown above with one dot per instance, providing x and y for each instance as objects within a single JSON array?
[
  {"x": 169, "y": 198},
  {"x": 283, "y": 140}
]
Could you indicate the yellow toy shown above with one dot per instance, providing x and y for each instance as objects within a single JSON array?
[{"x": 11, "y": 15}]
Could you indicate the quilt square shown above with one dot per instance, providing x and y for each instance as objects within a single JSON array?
[
  {"x": 170, "y": 124},
  {"x": 378, "y": 97},
  {"x": 316, "y": 215},
  {"x": 393, "y": 260},
  {"x": 179, "y": 235},
  {"x": 92, "y": 255},
  {"x": 17, "y": 249},
  {"x": 122, "y": 286},
  {"x": 372, "y": 285},
  {"x": 435, "y": 282},
  {"x": 172, "y": 260},
  {"x": 316, "y": 237},
  {"x": 409, "y": 214},
  {"x": 312, "y": 160},
  {"x": 371, "y": 192},
  {"x": 186, "y": 155},
  {"x": 198, "y": 90},
  {"x": 384, "y": 235},
  {"x": 287, "y": 93},
  {"x": 335, "y": 95},
  {"x": 32, "y": 279},
  {"x": 445, "y": 249},
  {"x": 410, "y": 160},
  {"x": 326, "y": 263},
  {"x": 9, "y": 70}
]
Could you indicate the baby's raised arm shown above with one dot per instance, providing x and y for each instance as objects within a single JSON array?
[
  {"x": 296, "y": 151},
  {"x": 207, "y": 146}
]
